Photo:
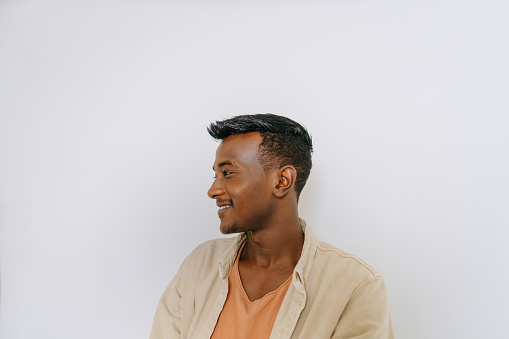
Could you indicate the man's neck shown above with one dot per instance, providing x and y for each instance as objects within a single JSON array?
[{"x": 278, "y": 245}]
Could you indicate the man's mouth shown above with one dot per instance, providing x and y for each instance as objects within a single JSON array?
[{"x": 223, "y": 207}]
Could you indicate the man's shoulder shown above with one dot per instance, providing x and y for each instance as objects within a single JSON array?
[
  {"x": 204, "y": 259},
  {"x": 214, "y": 246},
  {"x": 209, "y": 253},
  {"x": 339, "y": 260}
]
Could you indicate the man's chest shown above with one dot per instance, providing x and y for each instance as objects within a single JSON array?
[{"x": 257, "y": 282}]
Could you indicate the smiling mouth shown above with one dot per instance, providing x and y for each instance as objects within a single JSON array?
[{"x": 223, "y": 209}]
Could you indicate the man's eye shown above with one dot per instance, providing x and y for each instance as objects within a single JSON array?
[{"x": 225, "y": 173}]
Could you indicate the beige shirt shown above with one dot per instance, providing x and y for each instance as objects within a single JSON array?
[{"x": 333, "y": 294}]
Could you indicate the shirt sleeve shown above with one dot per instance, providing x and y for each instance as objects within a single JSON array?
[
  {"x": 166, "y": 324},
  {"x": 367, "y": 313}
]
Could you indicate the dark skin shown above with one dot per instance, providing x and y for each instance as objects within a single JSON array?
[{"x": 262, "y": 203}]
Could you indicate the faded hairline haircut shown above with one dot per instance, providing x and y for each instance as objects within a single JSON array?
[{"x": 284, "y": 141}]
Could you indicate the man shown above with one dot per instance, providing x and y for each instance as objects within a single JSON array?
[{"x": 275, "y": 279}]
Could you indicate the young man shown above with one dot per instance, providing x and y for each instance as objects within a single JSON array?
[{"x": 275, "y": 279}]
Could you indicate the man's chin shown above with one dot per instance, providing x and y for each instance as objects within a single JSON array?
[{"x": 229, "y": 228}]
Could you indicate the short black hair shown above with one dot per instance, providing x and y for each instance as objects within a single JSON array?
[{"x": 284, "y": 141}]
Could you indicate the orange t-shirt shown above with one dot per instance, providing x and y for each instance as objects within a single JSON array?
[{"x": 242, "y": 318}]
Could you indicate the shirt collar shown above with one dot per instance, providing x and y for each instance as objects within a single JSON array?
[{"x": 302, "y": 269}]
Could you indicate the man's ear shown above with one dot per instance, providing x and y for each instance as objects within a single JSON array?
[{"x": 286, "y": 180}]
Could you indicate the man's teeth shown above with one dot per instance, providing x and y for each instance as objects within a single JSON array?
[{"x": 223, "y": 207}]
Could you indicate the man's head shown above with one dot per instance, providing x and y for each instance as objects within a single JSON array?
[
  {"x": 284, "y": 141},
  {"x": 261, "y": 166}
]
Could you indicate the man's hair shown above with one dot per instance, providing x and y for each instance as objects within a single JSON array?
[{"x": 284, "y": 141}]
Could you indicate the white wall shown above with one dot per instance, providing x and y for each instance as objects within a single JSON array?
[{"x": 105, "y": 161}]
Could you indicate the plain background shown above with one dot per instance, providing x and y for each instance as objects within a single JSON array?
[{"x": 105, "y": 161}]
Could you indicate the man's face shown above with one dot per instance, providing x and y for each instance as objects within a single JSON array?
[{"x": 242, "y": 188}]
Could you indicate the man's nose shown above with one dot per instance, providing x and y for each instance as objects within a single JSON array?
[{"x": 216, "y": 190}]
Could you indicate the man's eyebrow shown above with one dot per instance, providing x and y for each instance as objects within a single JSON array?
[{"x": 223, "y": 163}]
